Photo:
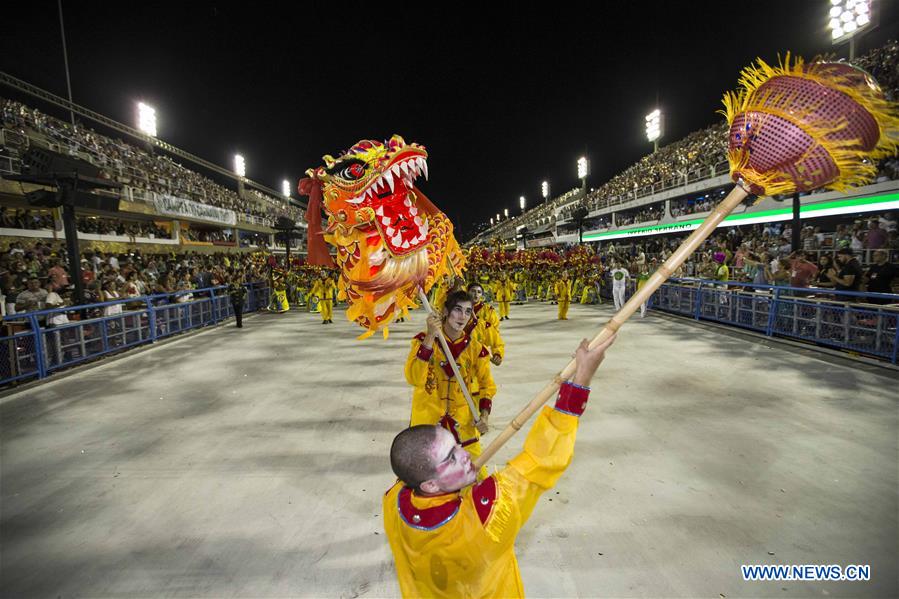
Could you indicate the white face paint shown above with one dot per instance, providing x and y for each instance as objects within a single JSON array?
[
  {"x": 453, "y": 464},
  {"x": 457, "y": 318}
]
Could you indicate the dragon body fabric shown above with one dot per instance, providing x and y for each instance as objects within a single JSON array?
[{"x": 390, "y": 239}]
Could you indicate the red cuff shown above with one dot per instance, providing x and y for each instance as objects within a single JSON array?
[
  {"x": 572, "y": 399},
  {"x": 424, "y": 353},
  {"x": 485, "y": 404}
]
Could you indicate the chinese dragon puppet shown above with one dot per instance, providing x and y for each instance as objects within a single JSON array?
[{"x": 391, "y": 240}]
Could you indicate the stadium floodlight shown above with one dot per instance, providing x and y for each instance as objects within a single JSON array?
[
  {"x": 491, "y": 221},
  {"x": 654, "y": 127},
  {"x": 848, "y": 19},
  {"x": 497, "y": 217},
  {"x": 544, "y": 189},
  {"x": 582, "y": 167},
  {"x": 506, "y": 212},
  {"x": 146, "y": 119},
  {"x": 521, "y": 203},
  {"x": 240, "y": 166},
  {"x": 285, "y": 188}
]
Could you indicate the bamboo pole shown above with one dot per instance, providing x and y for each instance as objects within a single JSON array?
[{"x": 733, "y": 199}]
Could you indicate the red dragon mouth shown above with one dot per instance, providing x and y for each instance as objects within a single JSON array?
[{"x": 398, "y": 219}]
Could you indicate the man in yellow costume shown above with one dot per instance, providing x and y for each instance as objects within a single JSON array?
[
  {"x": 484, "y": 325},
  {"x": 278, "y": 302},
  {"x": 451, "y": 537},
  {"x": 562, "y": 292},
  {"x": 505, "y": 293},
  {"x": 324, "y": 289},
  {"x": 437, "y": 397}
]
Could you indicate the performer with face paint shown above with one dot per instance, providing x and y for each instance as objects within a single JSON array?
[
  {"x": 484, "y": 324},
  {"x": 453, "y": 538},
  {"x": 437, "y": 398}
]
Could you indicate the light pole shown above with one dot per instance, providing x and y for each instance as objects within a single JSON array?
[
  {"x": 240, "y": 167},
  {"x": 146, "y": 119},
  {"x": 848, "y": 19},
  {"x": 582, "y": 171},
  {"x": 654, "y": 128},
  {"x": 544, "y": 189}
]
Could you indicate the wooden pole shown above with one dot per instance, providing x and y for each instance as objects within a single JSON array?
[{"x": 733, "y": 199}]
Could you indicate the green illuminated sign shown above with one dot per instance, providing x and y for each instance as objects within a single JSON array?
[{"x": 888, "y": 201}]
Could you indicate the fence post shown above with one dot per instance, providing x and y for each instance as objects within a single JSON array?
[
  {"x": 698, "y": 309},
  {"x": 151, "y": 318},
  {"x": 215, "y": 305},
  {"x": 772, "y": 314},
  {"x": 896, "y": 342},
  {"x": 38, "y": 347}
]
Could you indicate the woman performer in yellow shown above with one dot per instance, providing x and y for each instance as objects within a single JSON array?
[
  {"x": 484, "y": 325},
  {"x": 505, "y": 292},
  {"x": 279, "y": 292},
  {"x": 324, "y": 289},
  {"x": 437, "y": 397},
  {"x": 563, "y": 295}
]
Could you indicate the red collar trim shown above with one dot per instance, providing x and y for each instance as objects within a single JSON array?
[{"x": 426, "y": 518}]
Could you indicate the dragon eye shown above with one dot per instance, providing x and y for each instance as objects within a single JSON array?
[{"x": 353, "y": 172}]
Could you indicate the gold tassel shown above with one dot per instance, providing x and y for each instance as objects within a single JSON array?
[{"x": 502, "y": 516}]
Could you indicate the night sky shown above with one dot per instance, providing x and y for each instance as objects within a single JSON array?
[{"x": 502, "y": 95}]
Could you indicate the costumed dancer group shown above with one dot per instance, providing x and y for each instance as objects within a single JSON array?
[{"x": 451, "y": 525}]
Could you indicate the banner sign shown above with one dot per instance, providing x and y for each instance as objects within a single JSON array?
[{"x": 172, "y": 206}]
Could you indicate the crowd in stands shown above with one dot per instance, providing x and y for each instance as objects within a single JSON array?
[
  {"x": 134, "y": 166},
  {"x": 644, "y": 214},
  {"x": 208, "y": 236},
  {"x": 697, "y": 156},
  {"x": 763, "y": 254},
  {"x": 36, "y": 220},
  {"x": 35, "y": 276}
]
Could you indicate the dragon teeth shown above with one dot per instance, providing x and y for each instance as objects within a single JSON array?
[
  {"x": 424, "y": 168},
  {"x": 389, "y": 176},
  {"x": 413, "y": 211},
  {"x": 405, "y": 245},
  {"x": 380, "y": 211},
  {"x": 397, "y": 240},
  {"x": 385, "y": 221},
  {"x": 390, "y": 231}
]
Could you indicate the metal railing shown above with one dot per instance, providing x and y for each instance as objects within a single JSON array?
[
  {"x": 851, "y": 321},
  {"x": 46, "y": 348}
]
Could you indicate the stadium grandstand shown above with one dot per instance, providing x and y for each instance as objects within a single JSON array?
[
  {"x": 168, "y": 198},
  {"x": 669, "y": 191}
]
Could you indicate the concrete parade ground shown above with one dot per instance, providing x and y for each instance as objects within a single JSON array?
[{"x": 252, "y": 462}]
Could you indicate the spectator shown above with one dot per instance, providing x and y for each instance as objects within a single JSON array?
[
  {"x": 849, "y": 277},
  {"x": 59, "y": 278},
  {"x": 802, "y": 272},
  {"x": 877, "y": 237},
  {"x": 33, "y": 298},
  {"x": 880, "y": 275}
]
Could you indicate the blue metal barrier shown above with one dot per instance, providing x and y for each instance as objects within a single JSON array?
[
  {"x": 826, "y": 317},
  {"x": 41, "y": 348}
]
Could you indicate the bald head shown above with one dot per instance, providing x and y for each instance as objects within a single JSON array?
[{"x": 410, "y": 454}]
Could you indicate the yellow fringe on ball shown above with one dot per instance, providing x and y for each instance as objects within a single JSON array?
[{"x": 856, "y": 167}]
